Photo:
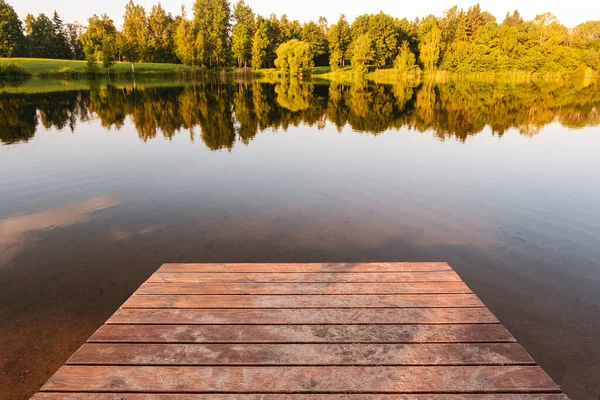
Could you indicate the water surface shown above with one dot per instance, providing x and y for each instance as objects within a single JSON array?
[{"x": 99, "y": 185}]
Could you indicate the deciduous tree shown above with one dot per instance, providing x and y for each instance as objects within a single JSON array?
[{"x": 11, "y": 31}]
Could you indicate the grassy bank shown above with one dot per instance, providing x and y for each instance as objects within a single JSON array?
[{"x": 37, "y": 67}]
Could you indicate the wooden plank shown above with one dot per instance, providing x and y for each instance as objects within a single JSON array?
[
  {"x": 390, "y": 277},
  {"x": 472, "y": 333},
  {"x": 304, "y": 316},
  {"x": 219, "y": 396},
  {"x": 430, "y": 379},
  {"x": 304, "y": 288},
  {"x": 308, "y": 267},
  {"x": 321, "y": 331},
  {"x": 302, "y": 301},
  {"x": 301, "y": 354}
]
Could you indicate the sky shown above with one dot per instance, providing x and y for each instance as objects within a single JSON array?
[{"x": 570, "y": 13}]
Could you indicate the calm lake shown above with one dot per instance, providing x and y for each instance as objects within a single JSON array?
[{"x": 101, "y": 184}]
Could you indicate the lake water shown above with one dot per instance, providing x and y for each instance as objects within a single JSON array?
[{"x": 99, "y": 185}]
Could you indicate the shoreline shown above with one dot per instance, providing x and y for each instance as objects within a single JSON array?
[{"x": 29, "y": 68}]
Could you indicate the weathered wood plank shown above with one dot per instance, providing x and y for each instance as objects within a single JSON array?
[
  {"x": 390, "y": 277},
  {"x": 430, "y": 379},
  {"x": 301, "y": 354},
  {"x": 218, "y": 396},
  {"x": 308, "y": 267},
  {"x": 486, "y": 333},
  {"x": 305, "y": 288},
  {"x": 322, "y": 331},
  {"x": 304, "y": 316},
  {"x": 302, "y": 301}
]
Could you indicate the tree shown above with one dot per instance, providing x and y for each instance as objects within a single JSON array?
[
  {"x": 289, "y": 29},
  {"x": 339, "y": 38},
  {"x": 108, "y": 54},
  {"x": 362, "y": 54},
  {"x": 384, "y": 35},
  {"x": 185, "y": 48},
  {"x": 429, "y": 45},
  {"x": 383, "y": 32},
  {"x": 41, "y": 37},
  {"x": 267, "y": 38},
  {"x": 243, "y": 33},
  {"x": 73, "y": 31},
  {"x": 405, "y": 61},
  {"x": 134, "y": 34},
  {"x": 161, "y": 29},
  {"x": 260, "y": 44},
  {"x": 294, "y": 55},
  {"x": 61, "y": 44},
  {"x": 212, "y": 23},
  {"x": 11, "y": 31},
  {"x": 315, "y": 37},
  {"x": 100, "y": 29}
]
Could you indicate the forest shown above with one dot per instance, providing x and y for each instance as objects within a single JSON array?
[
  {"x": 227, "y": 114},
  {"x": 216, "y": 35}
]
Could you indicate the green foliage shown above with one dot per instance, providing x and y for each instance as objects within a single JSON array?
[
  {"x": 362, "y": 54},
  {"x": 133, "y": 38},
  {"x": 185, "y": 46},
  {"x": 73, "y": 32},
  {"x": 461, "y": 41},
  {"x": 12, "y": 71},
  {"x": 339, "y": 38},
  {"x": 161, "y": 36},
  {"x": 405, "y": 61},
  {"x": 243, "y": 33},
  {"x": 99, "y": 30},
  {"x": 384, "y": 34},
  {"x": 430, "y": 44},
  {"x": 212, "y": 24},
  {"x": 108, "y": 54},
  {"x": 267, "y": 38},
  {"x": 315, "y": 36},
  {"x": 294, "y": 55},
  {"x": 289, "y": 29},
  {"x": 11, "y": 31}
]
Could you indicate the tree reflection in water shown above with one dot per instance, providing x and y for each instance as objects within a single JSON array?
[{"x": 226, "y": 113}]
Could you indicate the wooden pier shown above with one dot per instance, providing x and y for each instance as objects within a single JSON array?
[{"x": 372, "y": 331}]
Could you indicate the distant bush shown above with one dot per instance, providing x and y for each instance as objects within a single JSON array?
[{"x": 12, "y": 71}]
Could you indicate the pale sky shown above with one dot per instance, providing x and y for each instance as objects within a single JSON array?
[{"x": 570, "y": 12}]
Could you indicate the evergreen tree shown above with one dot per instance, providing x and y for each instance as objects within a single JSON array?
[{"x": 61, "y": 44}]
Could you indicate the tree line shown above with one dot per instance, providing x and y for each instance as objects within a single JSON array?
[
  {"x": 219, "y": 36},
  {"x": 230, "y": 113}
]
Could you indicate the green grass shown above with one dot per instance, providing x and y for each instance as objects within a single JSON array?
[{"x": 39, "y": 67}]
